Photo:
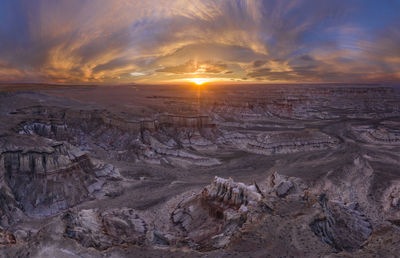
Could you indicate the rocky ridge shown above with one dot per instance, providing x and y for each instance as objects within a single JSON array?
[
  {"x": 167, "y": 138},
  {"x": 223, "y": 212}
]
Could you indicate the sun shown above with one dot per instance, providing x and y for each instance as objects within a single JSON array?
[{"x": 199, "y": 81}]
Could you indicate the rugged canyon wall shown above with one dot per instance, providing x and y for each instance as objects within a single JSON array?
[
  {"x": 146, "y": 140},
  {"x": 324, "y": 164},
  {"x": 43, "y": 177}
]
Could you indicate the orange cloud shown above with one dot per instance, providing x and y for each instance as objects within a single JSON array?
[{"x": 162, "y": 40}]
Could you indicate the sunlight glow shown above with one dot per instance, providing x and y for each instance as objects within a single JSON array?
[{"x": 200, "y": 81}]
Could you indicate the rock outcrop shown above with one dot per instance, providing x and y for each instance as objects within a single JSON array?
[
  {"x": 205, "y": 221},
  {"x": 103, "y": 230},
  {"x": 387, "y": 134},
  {"x": 341, "y": 226},
  {"x": 209, "y": 219},
  {"x": 383, "y": 242},
  {"x": 43, "y": 179},
  {"x": 6, "y": 238},
  {"x": 281, "y": 186},
  {"x": 170, "y": 137},
  {"x": 288, "y": 142}
]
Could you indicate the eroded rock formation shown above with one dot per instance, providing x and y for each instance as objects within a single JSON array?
[
  {"x": 102, "y": 230},
  {"x": 341, "y": 226},
  {"x": 47, "y": 179},
  {"x": 210, "y": 218},
  {"x": 6, "y": 238},
  {"x": 287, "y": 142},
  {"x": 335, "y": 193},
  {"x": 167, "y": 136}
]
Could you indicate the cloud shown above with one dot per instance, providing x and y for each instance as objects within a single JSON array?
[
  {"x": 115, "y": 41},
  {"x": 258, "y": 63}
]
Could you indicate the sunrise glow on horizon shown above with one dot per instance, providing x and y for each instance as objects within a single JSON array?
[{"x": 200, "y": 81}]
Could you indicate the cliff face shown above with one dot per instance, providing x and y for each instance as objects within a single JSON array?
[
  {"x": 10, "y": 212},
  {"x": 166, "y": 136},
  {"x": 48, "y": 178},
  {"x": 53, "y": 121},
  {"x": 79, "y": 127},
  {"x": 177, "y": 140},
  {"x": 284, "y": 142},
  {"x": 198, "y": 122},
  {"x": 44, "y": 183}
]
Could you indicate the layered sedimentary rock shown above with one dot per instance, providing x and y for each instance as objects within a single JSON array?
[
  {"x": 232, "y": 216},
  {"x": 210, "y": 218},
  {"x": 102, "y": 230},
  {"x": 177, "y": 139},
  {"x": 84, "y": 128},
  {"x": 10, "y": 211},
  {"x": 165, "y": 136},
  {"x": 284, "y": 142},
  {"x": 281, "y": 186},
  {"x": 354, "y": 183},
  {"x": 44, "y": 180},
  {"x": 305, "y": 102},
  {"x": 336, "y": 194},
  {"x": 341, "y": 226},
  {"x": 383, "y": 134},
  {"x": 227, "y": 212},
  {"x": 205, "y": 220},
  {"x": 179, "y": 146}
]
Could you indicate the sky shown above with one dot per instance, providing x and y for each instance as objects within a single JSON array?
[{"x": 172, "y": 41}]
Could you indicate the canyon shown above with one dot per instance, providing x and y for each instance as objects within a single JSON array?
[{"x": 200, "y": 171}]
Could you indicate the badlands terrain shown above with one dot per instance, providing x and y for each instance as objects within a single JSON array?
[{"x": 200, "y": 171}]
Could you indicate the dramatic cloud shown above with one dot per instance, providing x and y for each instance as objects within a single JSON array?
[
  {"x": 121, "y": 41},
  {"x": 192, "y": 67}
]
